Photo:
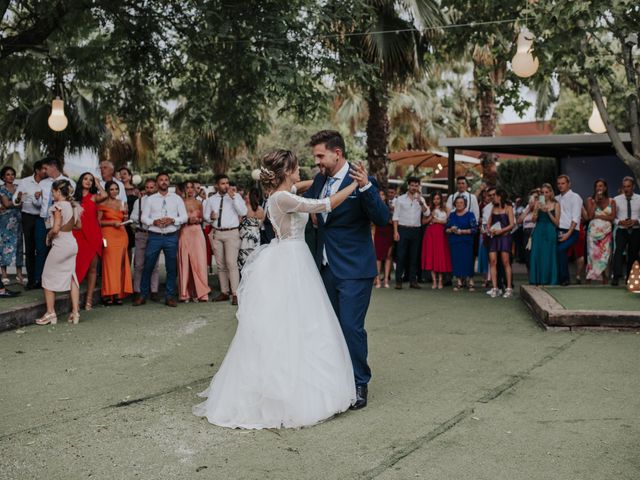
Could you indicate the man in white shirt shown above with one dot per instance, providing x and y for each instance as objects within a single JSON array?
[
  {"x": 28, "y": 195},
  {"x": 407, "y": 231},
  {"x": 223, "y": 211},
  {"x": 569, "y": 227},
  {"x": 163, "y": 214},
  {"x": 141, "y": 239},
  {"x": 471, "y": 201},
  {"x": 628, "y": 228},
  {"x": 107, "y": 171}
]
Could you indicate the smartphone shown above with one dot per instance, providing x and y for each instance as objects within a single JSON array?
[{"x": 541, "y": 200}]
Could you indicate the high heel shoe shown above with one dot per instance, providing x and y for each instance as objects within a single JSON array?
[
  {"x": 47, "y": 318},
  {"x": 74, "y": 317},
  {"x": 88, "y": 306}
]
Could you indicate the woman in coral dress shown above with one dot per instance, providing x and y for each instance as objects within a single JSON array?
[
  {"x": 436, "y": 256},
  {"x": 193, "y": 280},
  {"x": 89, "y": 238},
  {"x": 116, "y": 269}
]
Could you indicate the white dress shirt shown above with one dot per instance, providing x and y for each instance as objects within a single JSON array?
[
  {"x": 122, "y": 194},
  {"x": 232, "y": 210},
  {"x": 408, "y": 211},
  {"x": 29, "y": 187},
  {"x": 158, "y": 206},
  {"x": 472, "y": 203},
  {"x": 47, "y": 201},
  {"x": 570, "y": 209},
  {"x": 136, "y": 212},
  {"x": 486, "y": 215},
  {"x": 622, "y": 209}
]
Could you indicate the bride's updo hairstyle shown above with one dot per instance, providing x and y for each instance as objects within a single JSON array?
[{"x": 275, "y": 167}]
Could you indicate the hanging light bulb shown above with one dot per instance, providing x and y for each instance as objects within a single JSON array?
[
  {"x": 524, "y": 64},
  {"x": 57, "y": 120},
  {"x": 595, "y": 121}
]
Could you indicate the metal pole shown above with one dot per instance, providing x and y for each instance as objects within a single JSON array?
[{"x": 451, "y": 165}]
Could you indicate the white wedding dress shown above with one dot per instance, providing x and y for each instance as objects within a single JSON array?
[{"x": 288, "y": 364}]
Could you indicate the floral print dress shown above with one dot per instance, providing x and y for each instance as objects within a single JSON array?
[
  {"x": 10, "y": 233},
  {"x": 599, "y": 238}
]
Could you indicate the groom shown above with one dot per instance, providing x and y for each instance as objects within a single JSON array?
[{"x": 345, "y": 253}]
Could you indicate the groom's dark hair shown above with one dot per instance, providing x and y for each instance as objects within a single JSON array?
[{"x": 331, "y": 139}]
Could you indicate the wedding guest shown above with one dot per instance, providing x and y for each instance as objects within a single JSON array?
[
  {"x": 250, "y": 227},
  {"x": 193, "y": 281},
  {"x": 471, "y": 201},
  {"x": 501, "y": 225},
  {"x": 89, "y": 238},
  {"x": 578, "y": 250},
  {"x": 11, "y": 252},
  {"x": 224, "y": 210},
  {"x": 383, "y": 243},
  {"x": 116, "y": 269},
  {"x": 107, "y": 174},
  {"x": 141, "y": 239},
  {"x": 569, "y": 227},
  {"x": 543, "y": 258},
  {"x": 525, "y": 220},
  {"x": 163, "y": 213},
  {"x": 132, "y": 194},
  {"x": 627, "y": 236},
  {"x": 600, "y": 213},
  {"x": 483, "y": 249},
  {"x": 266, "y": 229},
  {"x": 59, "y": 274},
  {"x": 407, "y": 222},
  {"x": 436, "y": 256},
  {"x": 461, "y": 227},
  {"x": 28, "y": 197}
]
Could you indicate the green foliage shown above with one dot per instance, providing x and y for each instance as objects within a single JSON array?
[{"x": 518, "y": 177}]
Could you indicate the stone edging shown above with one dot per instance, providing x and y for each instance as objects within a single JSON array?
[{"x": 552, "y": 315}]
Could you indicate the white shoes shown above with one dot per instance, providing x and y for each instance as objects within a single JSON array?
[{"x": 496, "y": 292}]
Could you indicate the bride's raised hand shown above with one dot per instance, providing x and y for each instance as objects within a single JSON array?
[{"x": 359, "y": 173}]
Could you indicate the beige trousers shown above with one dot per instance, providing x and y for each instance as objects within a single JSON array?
[
  {"x": 138, "y": 264},
  {"x": 225, "y": 246}
]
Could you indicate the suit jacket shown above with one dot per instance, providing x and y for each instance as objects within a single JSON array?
[{"x": 346, "y": 234}]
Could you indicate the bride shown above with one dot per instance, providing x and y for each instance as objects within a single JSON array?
[{"x": 288, "y": 364}]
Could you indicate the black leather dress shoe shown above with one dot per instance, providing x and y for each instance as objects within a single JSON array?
[
  {"x": 615, "y": 282},
  {"x": 361, "y": 397}
]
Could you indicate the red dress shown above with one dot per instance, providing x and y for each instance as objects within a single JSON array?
[
  {"x": 436, "y": 256},
  {"x": 88, "y": 238},
  {"x": 383, "y": 240}
]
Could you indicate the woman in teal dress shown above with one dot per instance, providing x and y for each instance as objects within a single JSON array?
[{"x": 543, "y": 264}]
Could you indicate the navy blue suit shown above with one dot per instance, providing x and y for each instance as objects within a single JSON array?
[{"x": 348, "y": 276}]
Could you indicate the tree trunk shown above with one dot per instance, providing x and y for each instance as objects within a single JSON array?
[
  {"x": 632, "y": 161},
  {"x": 488, "y": 112},
  {"x": 56, "y": 147},
  {"x": 378, "y": 135}
]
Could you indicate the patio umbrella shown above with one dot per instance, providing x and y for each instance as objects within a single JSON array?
[{"x": 418, "y": 158}]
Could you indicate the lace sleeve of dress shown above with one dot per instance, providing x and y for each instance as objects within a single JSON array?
[{"x": 289, "y": 203}]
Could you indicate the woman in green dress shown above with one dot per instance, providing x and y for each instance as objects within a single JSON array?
[{"x": 543, "y": 268}]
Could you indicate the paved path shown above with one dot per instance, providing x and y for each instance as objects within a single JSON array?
[{"x": 465, "y": 387}]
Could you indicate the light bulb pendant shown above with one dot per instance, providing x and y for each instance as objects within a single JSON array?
[
  {"x": 524, "y": 64},
  {"x": 57, "y": 120},
  {"x": 595, "y": 121}
]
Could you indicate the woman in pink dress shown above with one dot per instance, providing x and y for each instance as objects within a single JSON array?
[
  {"x": 436, "y": 256},
  {"x": 59, "y": 274},
  {"x": 89, "y": 238},
  {"x": 193, "y": 281},
  {"x": 383, "y": 242}
]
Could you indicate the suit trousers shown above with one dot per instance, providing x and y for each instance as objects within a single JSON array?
[
  {"x": 141, "y": 240},
  {"x": 563, "y": 259},
  {"x": 41, "y": 249},
  {"x": 29, "y": 225},
  {"x": 168, "y": 244},
  {"x": 629, "y": 240},
  {"x": 408, "y": 250},
  {"x": 350, "y": 300},
  {"x": 226, "y": 245}
]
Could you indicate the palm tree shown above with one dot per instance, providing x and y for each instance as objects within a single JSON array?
[{"x": 394, "y": 51}]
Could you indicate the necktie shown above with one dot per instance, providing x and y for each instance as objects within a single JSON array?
[
  {"x": 220, "y": 212},
  {"x": 628, "y": 207},
  {"x": 327, "y": 187}
]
